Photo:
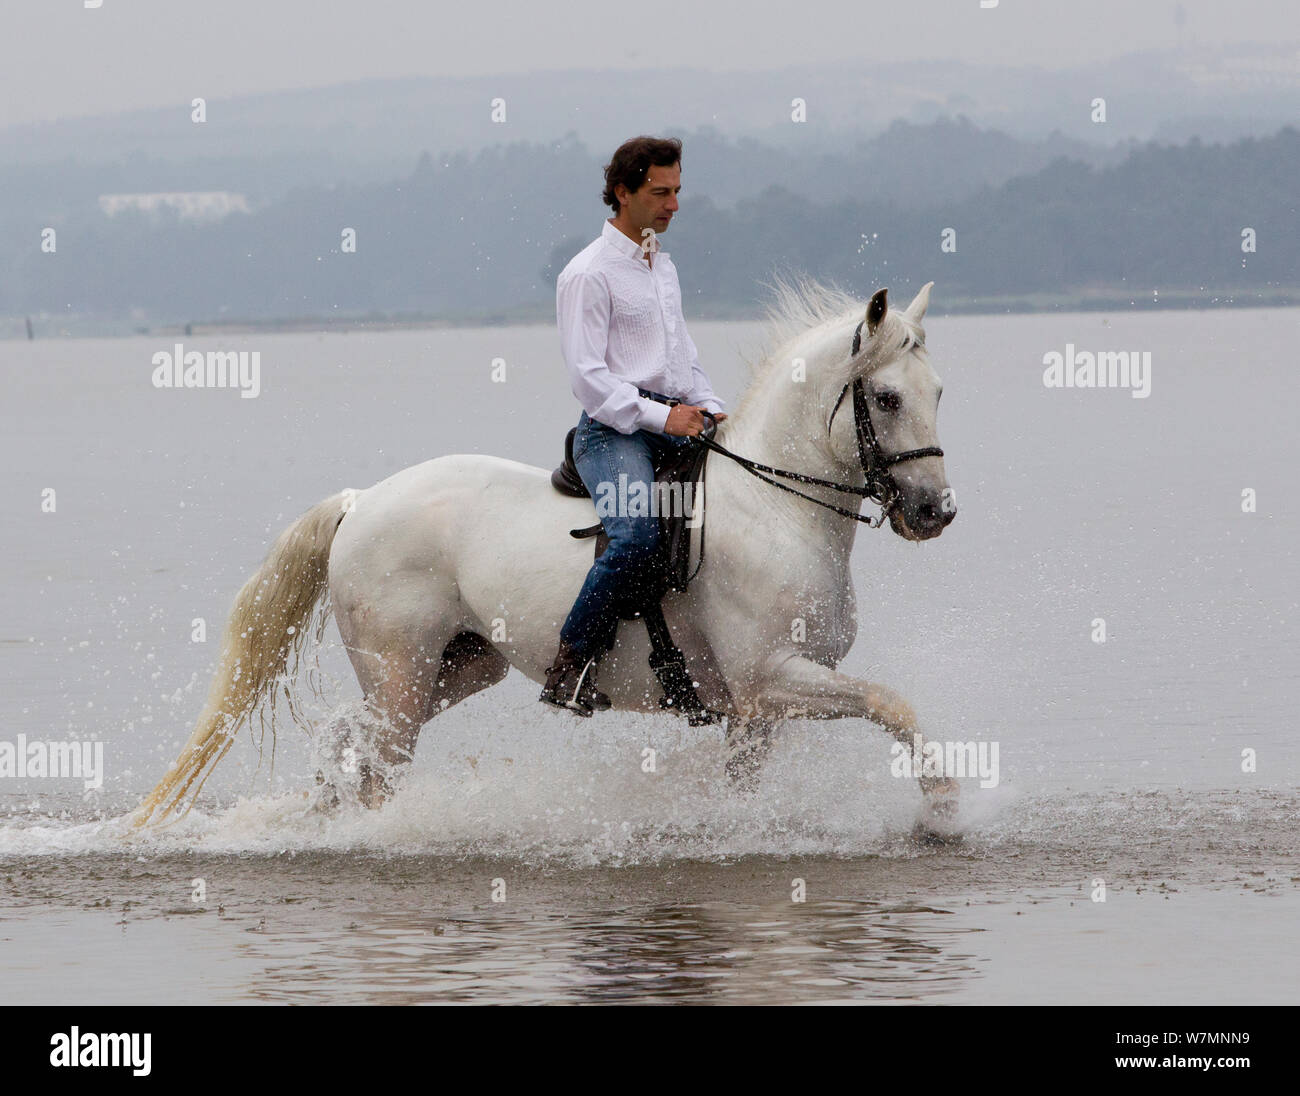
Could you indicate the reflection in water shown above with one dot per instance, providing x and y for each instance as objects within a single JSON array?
[
  {"x": 325, "y": 926},
  {"x": 711, "y": 952},
  {"x": 783, "y": 953}
]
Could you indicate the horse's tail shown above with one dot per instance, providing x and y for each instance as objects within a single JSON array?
[{"x": 267, "y": 624}]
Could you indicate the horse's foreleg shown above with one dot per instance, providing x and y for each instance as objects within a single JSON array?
[
  {"x": 802, "y": 689},
  {"x": 749, "y": 741}
]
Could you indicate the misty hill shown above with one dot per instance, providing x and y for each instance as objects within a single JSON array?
[
  {"x": 485, "y": 235},
  {"x": 372, "y": 130},
  {"x": 913, "y": 164}
]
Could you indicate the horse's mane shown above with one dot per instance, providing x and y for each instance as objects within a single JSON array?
[
  {"x": 798, "y": 306},
  {"x": 799, "y": 303}
]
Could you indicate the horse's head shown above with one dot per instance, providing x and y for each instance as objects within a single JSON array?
[{"x": 894, "y": 414}]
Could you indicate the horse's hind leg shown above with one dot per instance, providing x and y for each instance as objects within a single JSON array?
[{"x": 410, "y": 693}]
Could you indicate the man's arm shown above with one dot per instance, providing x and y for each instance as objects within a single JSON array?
[{"x": 582, "y": 312}]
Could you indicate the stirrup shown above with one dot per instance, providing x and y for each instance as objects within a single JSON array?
[
  {"x": 587, "y": 693},
  {"x": 559, "y": 695},
  {"x": 575, "y": 706}
]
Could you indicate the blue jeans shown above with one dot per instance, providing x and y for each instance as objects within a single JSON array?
[{"x": 602, "y": 455}]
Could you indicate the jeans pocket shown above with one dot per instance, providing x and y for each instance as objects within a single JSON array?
[{"x": 581, "y": 441}]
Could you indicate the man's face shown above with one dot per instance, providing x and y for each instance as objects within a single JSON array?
[{"x": 655, "y": 202}]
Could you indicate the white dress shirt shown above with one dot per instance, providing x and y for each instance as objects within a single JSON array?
[{"x": 621, "y": 328}]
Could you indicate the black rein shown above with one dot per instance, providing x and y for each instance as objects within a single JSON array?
[{"x": 880, "y": 487}]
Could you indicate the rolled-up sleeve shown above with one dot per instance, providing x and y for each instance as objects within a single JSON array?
[{"x": 582, "y": 311}]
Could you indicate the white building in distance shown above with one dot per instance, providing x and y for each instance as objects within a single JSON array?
[{"x": 195, "y": 205}]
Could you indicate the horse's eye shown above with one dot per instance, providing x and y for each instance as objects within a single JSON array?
[{"x": 888, "y": 401}]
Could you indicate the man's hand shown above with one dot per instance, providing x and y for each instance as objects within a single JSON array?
[{"x": 687, "y": 420}]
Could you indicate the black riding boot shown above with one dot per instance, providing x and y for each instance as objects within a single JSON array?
[{"x": 571, "y": 683}]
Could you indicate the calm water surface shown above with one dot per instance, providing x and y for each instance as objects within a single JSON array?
[{"x": 1120, "y": 762}]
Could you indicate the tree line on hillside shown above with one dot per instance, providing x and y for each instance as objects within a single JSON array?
[{"x": 488, "y": 234}]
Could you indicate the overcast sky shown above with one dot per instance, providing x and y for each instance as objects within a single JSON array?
[{"x": 58, "y": 59}]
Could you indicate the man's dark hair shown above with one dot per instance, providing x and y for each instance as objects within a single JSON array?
[{"x": 633, "y": 160}]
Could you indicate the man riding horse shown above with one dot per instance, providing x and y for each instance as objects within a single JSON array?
[{"x": 635, "y": 370}]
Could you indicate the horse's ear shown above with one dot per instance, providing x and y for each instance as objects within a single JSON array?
[
  {"x": 920, "y": 303},
  {"x": 876, "y": 309}
]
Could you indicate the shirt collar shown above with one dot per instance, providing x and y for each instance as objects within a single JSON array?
[{"x": 619, "y": 242}]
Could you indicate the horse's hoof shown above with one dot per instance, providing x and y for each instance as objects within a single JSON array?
[
  {"x": 742, "y": 779},
  {"x": 937, "y": 824},
  {"x": 744, "y": 765},
  {"x": 932, "y": 837},
  {"x": 325, "y": 799}
]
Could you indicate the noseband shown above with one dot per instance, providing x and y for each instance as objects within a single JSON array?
[{"x": 881, "y": 487}]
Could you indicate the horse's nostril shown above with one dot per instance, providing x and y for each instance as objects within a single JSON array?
[{"x": 928, "y": 513}]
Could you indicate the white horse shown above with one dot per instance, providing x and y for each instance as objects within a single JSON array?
[{"x": 448, "y": 573}]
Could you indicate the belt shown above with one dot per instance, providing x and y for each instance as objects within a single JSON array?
[{"x": 658, "y": 397}]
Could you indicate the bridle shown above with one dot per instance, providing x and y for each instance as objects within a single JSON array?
[{"x": 881, "y": 487}]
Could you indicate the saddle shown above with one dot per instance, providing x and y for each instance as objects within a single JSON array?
[
  {"x": 670, "y": 570},
  {"x": 682, "y": 475}
]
